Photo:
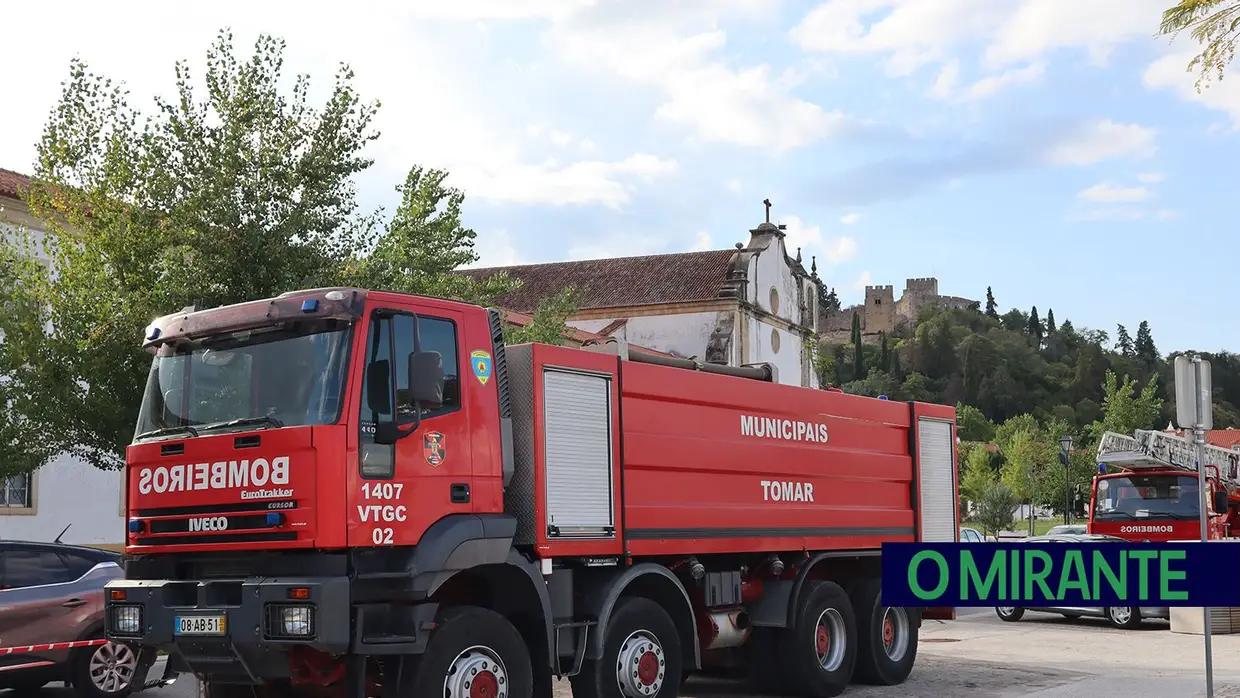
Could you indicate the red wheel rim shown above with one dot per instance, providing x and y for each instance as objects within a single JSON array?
[{"x": 484, "y": 685}]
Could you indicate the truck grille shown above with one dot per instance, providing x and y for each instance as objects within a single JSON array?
[{"x": 241, "y": 522}]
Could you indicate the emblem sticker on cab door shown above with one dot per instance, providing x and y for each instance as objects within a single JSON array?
[
  {"x": 481, "y": 361},
  {"x": 433, "y": 448}
]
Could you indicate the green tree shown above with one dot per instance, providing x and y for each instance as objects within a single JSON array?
[
  {"x": 1124, "y": 410},
  {"x": 242, "y": 192},
  {"x": 1050, "y": 321},
  {"x": 992, "y": 308},
  {"x": 423, "y": 243},
  {"x": 549, "y": 323},
  {"x": 995, "y": 509},
  {"x": 972, "y": 425},
  {"x": 1213, "y": 24},
  {"x": 1035, "y": 327},
  {"x": 1144, "y": 346},
  {"x": 978, "y": 474},
  {"x": 828, "y": 301},
  {"x": 884, "y": 355},
  {"x": 859, "y": 372},
  {"x": 1020, "y": 464},
  {"x": 1123, "y": 342}
]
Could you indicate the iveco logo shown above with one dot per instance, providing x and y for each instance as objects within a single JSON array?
[{"x": 210, "y": 523}]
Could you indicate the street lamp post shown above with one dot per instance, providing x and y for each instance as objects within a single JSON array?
[{"x": 1065, "y": 448}]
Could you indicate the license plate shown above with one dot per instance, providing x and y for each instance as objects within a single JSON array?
[{"x": 200, "y": 625}]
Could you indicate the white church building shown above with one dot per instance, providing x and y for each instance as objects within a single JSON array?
[{"x": 752, "y": 304}]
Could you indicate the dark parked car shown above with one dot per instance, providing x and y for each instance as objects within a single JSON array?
[
  {"x": 1126, "y": 617},
  {"x": 50, "y": 593}
]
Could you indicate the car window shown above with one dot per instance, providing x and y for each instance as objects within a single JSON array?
[{"x": 28, "y": 568}]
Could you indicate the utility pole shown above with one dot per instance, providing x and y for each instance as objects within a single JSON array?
[{"x": 1194, "y": 406}]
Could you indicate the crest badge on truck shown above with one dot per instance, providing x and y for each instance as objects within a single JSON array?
[
  {"x": 481, "y": 361},
  {"x": 433, "y": 449}
]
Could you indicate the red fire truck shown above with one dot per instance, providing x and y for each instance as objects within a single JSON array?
[
  {"x": 359, "y": 493},
  {"x": 1153, "y": 493}
]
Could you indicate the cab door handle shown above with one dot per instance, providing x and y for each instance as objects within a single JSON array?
[{"x": 73, "y": 603}]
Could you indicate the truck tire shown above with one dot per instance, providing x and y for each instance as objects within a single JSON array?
[
  {"x": 820, "y": 652},
  {"x": 641, "y": 655},
  {"x": 886, "y": 636},
  {"x": 472, "y": 646}
]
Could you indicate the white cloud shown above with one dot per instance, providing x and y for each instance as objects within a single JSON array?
[
  {"x": 912, "y": 33},
  {"x": 1120, "y": 213},
  {"x": 676, "y": 49},
  {"x": 436, "y": 109},
  {"x": 495, "y": 248},
  {"x": 1170, "y": 72},
  {"x": 1099, "y": 141},
  {"x": 850, "y": 218},
  {"x": 812, "y": 242},
  {"x": 586, "y": 182},
  {"x": 947, "y": 84},
  {"x": 1106, "y": 193},
  {"x": 701, "y": 242},
  {"x": 733, "y": 185},
  {"x": 1150, "y": 177},
  {"x": 862, "y": 281},
  {"x": 616, "y": 245}
]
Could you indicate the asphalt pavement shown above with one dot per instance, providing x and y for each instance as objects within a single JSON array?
[{"x": 980, "y": 656}]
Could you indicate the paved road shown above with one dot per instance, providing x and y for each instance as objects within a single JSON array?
[{"x": 979, "y": 656}]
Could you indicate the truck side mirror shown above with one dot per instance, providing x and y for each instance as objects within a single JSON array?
[
  {"x": 378, "y": 387},
  {"x": 1220, "y": 502},
  {"x": 426, "y": 379}
]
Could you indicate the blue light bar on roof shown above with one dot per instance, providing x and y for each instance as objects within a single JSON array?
[{"x": 310, "y": 305}]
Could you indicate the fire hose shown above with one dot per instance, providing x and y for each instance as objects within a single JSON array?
[{"x": 167, "y": 679}]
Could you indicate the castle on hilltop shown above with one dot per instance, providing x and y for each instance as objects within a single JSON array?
[{"x": 881, "y": 312}]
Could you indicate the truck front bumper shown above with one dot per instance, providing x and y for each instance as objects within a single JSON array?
[{"x": 230, "y": 617}]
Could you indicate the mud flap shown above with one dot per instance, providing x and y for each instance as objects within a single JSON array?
[{"x": 147, "y": 661}]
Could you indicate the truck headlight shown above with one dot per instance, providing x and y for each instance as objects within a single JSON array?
[
  {"x": 290, "y": 621},
  {"x": 126, "y": 619}
]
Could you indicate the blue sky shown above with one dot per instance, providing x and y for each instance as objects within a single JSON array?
[{"x": 1053, "y": 150}]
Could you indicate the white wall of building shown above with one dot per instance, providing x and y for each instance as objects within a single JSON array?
[
  {"x": 684, "y": 334},
  {"x": 68, "y": 491},
  {"x": 786, "y": 357}
]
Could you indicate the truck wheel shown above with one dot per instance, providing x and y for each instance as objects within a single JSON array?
[
  {"x": 886, "y": 636},
  {"x": 641, "y": 655},
  {"x": 821, "y": 651},
  {"x": 475, "y": 653},
  {"x": 1010, "y": 614},
  {"x": 1124, "y": 617}
]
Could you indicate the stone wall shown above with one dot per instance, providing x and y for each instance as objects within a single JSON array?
[{"x": 882, "y": 313}]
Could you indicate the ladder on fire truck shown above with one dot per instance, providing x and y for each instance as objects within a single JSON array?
[{"x": 1161, "y": 450}]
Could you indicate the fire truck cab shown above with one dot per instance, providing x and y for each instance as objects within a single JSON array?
[{"x": 1148, "y": 489}]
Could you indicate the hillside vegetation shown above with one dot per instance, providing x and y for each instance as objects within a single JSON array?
[{"x": 1019, "y": 381}]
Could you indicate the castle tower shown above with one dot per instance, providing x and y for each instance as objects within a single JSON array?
[
  {"x": 880, "y": 309},
  {"x": 917, "y": 293}
]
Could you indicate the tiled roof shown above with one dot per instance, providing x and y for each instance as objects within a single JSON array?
[
  {"x": 619, "y": 282},
  {"x": 1223, "y": 438},
  {"x": 11, "y": 182}
]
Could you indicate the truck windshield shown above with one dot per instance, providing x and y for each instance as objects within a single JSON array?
[
  {"x": 291, "y": 375},
  {"x": 1147, "y": 497}
]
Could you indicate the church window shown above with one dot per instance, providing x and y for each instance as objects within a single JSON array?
[
  {"x": 775, "y": 341},
  {"x": 774, "y": 302}
]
